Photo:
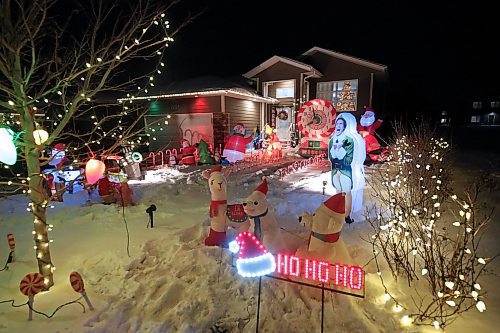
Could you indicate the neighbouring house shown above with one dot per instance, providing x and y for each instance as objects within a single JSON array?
[
  {"x": 484, "y": 112},
  {"x": 205, "y": 108},
  {"x": 349, "y": 83}
]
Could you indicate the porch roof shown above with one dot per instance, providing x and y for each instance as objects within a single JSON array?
[
  {"x": 346, "y": 57},
  {"x": 275, "y": 59}
]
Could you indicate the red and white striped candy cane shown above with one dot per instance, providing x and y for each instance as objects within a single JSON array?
[{"x": 77, "y": 284}]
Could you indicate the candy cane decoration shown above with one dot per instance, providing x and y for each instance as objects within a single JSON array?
[
  {"x": 77, "y": 284},
  {"x": 31, "y": 285},
  {"x": 12, "y": 245},
  {"x": 153, "y": 155},
  {"x": 162, "y": 157}
]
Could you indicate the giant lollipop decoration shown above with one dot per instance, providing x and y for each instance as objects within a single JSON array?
[
  {"x": 77, "y": 284},
  {"x": 31, "y": 285}
]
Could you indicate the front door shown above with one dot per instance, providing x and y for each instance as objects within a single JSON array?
[
  {"x": 491, "y": 119},
  {"x": 284, "y": 122}
]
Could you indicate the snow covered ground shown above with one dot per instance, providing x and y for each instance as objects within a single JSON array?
[{"x": 173, "y": 283}]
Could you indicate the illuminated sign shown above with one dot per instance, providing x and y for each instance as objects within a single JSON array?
[
  {"x": 254, "y": 260},
  {"x": 320, "y": 271}
]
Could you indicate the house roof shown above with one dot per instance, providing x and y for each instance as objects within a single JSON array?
[
  {"x": 206, "y": 86},
  {"x": 346, "y": 57},
  {"x": 275, "y": 59}
]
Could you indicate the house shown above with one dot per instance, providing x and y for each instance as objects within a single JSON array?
[
  {"x": 205, "y": 108},
  {"x": 484, "y": 112},
  {"x": 347, "y": 82}
]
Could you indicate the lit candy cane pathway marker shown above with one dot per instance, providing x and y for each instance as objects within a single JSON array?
[
  {"x": 77, "y": 283},
  {"x": 31, "y": 285},
  {"x": 12, "y": 245}
]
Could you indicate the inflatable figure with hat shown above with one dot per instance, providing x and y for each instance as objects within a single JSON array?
[
  {"x": 326, "y": 224},
  {"x": 188, "y": 152},
  {"x": 367, "y": 127},
  {"x": 263, "y": 223},
  {"x": 234, "y": 149},
  {"x": 57, "y": 160},
  {"x": 367, "y": 123}
]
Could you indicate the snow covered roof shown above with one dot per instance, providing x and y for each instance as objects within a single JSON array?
[
  {"x": 346, "y": 57},
  {"x": 206, "y": 86},
  {"x": 275, "y": 59}
]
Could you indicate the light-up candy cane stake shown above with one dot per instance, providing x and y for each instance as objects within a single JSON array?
[
  {"x": 31, "y": 285},
  {"x": 8, "y": 153},
  {"x": 94, "y": 169},
  {"x": 254, "y": 260},
  {"x": 12, "y": 246},
  {"x": 77, "y": 283}
]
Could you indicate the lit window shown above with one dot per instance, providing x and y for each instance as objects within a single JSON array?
[
  {"x": 284, "y": 92},
  {"x": 475, "y": 119},
  {"x": 342, "y": 94},
  {"x": 443, "y": 120},
  {"x": 443, "y": 113},
  {"x": 477, "y": 105},
  {"x": 495, "y": 104}
]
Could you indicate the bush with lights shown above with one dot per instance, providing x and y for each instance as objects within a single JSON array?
[{"x": 426, "y": 234}]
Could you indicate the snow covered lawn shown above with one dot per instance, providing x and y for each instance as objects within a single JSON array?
[{"x": 173, "y": 283}]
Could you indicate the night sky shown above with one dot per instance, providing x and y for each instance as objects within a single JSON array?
[{"x": 437, "y": 55}]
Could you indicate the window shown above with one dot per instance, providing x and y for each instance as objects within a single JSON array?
[
  {"x": 495, "y": 104},
  {"x": 284, "y": 92},
  {"x": 342, "y": 94},
  {"x": 477, "y": 105},
  {"x": 443, "y": 113},
  {"x": 443, "y": 120},
  {"x": 475, "y": 119}
]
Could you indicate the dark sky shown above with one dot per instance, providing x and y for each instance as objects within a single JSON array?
[{"x": 436, "y": 54}]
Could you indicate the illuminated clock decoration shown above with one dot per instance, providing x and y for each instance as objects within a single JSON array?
[
  {"x": 254, "y": 260},
  {"x": 316, "y": 122},
  {"x": 316, "y": 119}
]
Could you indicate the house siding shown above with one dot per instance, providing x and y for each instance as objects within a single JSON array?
[
  {"x": 169, "y": 137},
  {"x": 242, "y": 111},
  {"x": 334, "y": 69},
  {"x": 278, "y": 72},
  {"x": 210, "y": 104}
]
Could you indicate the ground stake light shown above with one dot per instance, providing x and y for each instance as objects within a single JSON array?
[
  {"x": 77, "y": 284},
  {"x": 8, "y": 153}
]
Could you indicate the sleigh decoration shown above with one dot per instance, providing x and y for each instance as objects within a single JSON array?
[{"x": 235, "y": 213}]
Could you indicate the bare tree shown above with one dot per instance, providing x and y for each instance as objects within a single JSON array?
[{"x": 55, "y": 62}]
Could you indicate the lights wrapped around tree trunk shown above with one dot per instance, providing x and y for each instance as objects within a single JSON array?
[{"x": 8, "y": 153}]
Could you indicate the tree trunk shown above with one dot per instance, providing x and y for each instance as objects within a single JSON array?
[{"x": 39, "y": 202}]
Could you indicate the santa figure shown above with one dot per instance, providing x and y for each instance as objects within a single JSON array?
[
  {"x": 234, "y": 150},
  {"x": 188, "y": 152},
  {"x": 274, "y": 144},
  {"x": 58, "y": 160},
  {"x": 367, "y": 123},
  {"x": 58, "y": 155}
]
